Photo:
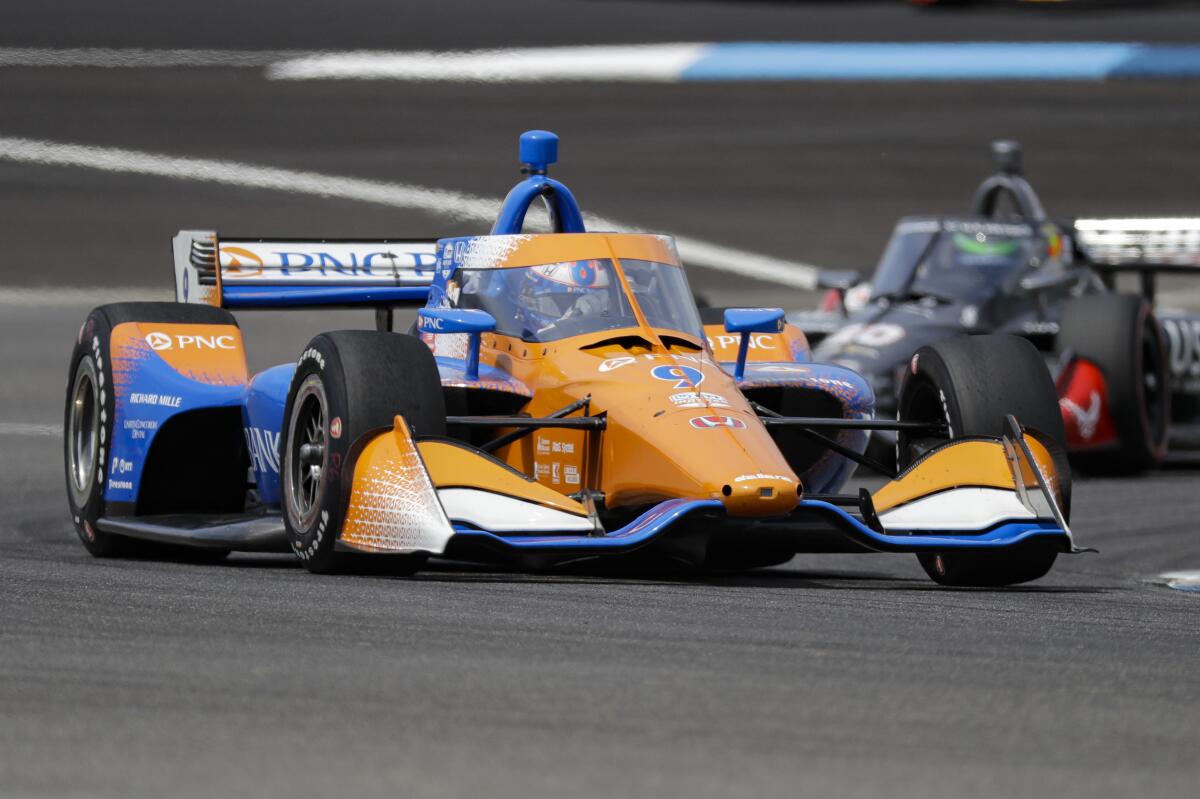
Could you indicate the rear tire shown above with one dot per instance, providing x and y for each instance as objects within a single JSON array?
[
  {"x": 349, "y": 384},
  {"x": 1119, "y": 334},
  {"x": 972, "y": 383}
]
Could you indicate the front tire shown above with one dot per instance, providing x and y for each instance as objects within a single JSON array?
[
  {"x": 89, "y": 415},
  {"x": 972, "y": 383},
  {"x": 87, "y": 433},
  {"x": 348, "y": 384}
]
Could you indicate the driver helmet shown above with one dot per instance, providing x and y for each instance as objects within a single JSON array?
[
  {"x": 981, "y": 249},
  {"x": 548, "y": 292}
]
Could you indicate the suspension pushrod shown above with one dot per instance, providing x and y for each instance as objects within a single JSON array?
[{"x": 526, "y": 425}]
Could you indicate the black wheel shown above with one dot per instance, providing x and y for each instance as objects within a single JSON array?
[
  {"x": 89, "y": 415},
  {"x": 1119, "y": 334},
  {"x": 348, "y": 384},
  {"x": 972, "y": 383}
]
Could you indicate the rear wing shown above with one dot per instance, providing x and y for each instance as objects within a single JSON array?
[
  {"x": 289, "y": 273},
  {"x": 1145, "y": 246}
]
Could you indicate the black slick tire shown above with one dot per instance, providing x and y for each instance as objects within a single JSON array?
[
  {"x": 972, "y": 383},
  {"x": 347, "y": 386},
  {"x": 1119, "y": 334},
  {"x": 88, "y": 418}
]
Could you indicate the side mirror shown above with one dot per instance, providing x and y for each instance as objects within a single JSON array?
[
  {"x": 459, "y": 320},
  {"x": 747, "y": 321},
  {"x": 838, "y": 282},
  {"x": 1043, "y": 280}
]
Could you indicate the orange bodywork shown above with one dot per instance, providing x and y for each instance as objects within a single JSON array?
[
  {"x": 677, "y": 425},
  {"x": 651, "y": 450}
]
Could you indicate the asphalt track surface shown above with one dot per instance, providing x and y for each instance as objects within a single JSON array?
[{"x": 833, "y": 676}]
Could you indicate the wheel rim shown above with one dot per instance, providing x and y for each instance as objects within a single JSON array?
[
  {"x": 83, "y": 431},
  {"x": 923, "y": 403},
  {"x": 307, "y": 454}
]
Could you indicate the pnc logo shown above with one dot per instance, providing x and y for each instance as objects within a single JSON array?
[
  {"x": 160, "y": 341},
  {"x": 616, "y": 363},
  {"x": 758, "y": 341},
  {"x": 237, "y": 257},
  {"x": 681, "y": 376}
]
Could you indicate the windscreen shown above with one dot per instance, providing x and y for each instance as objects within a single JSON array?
[
  {"x": 954, "y": 260},
  {"x": 662, "y": 292},
  {"x": 548, "y": 302}
]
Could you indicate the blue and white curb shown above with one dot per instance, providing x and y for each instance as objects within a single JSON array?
[
  {"x": 761, "y": 61},
  {"x": 944, "y": 61},
  {"x": 669, "y": 62}
]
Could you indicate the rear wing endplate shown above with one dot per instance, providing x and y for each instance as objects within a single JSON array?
[{"x": 288, "y": 273}]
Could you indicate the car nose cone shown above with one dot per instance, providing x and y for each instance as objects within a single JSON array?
[{"x": 760, "y": 495}]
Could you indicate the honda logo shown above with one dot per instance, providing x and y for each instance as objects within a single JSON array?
[{"x": 710, "y": 422}]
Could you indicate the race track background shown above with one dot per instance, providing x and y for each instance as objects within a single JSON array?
[{"x": 835, "y": 675}]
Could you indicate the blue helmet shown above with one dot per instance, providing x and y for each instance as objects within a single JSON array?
[{"x": 549, "y": 293}]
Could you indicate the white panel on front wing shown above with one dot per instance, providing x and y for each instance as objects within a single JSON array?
[{"x": 503, "y": 514}]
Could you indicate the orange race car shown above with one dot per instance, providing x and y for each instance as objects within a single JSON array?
[{"x": 559, "y": 399}]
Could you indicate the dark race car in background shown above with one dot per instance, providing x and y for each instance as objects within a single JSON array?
[{"x": 1127, "y": 373}]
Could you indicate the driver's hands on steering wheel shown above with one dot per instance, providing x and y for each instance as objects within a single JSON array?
[{"x": 590, "y": 303}]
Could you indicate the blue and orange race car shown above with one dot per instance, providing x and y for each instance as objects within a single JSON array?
[{"x": 561, "y": 399}]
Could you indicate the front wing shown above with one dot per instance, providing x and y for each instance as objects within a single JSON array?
[{"x": 979, "y": 493}]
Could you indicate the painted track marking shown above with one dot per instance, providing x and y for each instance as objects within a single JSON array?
[
  {"x": 90, "y": 296},
  {"x": 27, "y": 429},
  {"x": 772, "y": 61},
  {"x": 141, "y": 57},
  {"x": 649, "y": 63},
  {"x": 670, "y": 62},
  {"x": 457, "y": 206}
]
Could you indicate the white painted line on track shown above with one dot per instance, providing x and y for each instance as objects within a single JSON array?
[
  {"x": 650, "y": 63},
  {"x": 456, "y": 206},
  {"x": 141, "y": 58},
  {"x": 67, "y": 296},
  {"x": 24, "y": 429}
]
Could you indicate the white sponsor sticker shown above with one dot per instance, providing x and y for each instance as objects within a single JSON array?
[
  {"x": 163, "y": 400},
  {"x": 160, "y": 341},
  {"x": 758, "y": 341},
  {"x": 616, "y": 363},
  {"x": 698, "y": 399},
  {"x": 137, "y": 427},
  {"x": 263, "y": 446},
  {"x": 741, "y": 478}
]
